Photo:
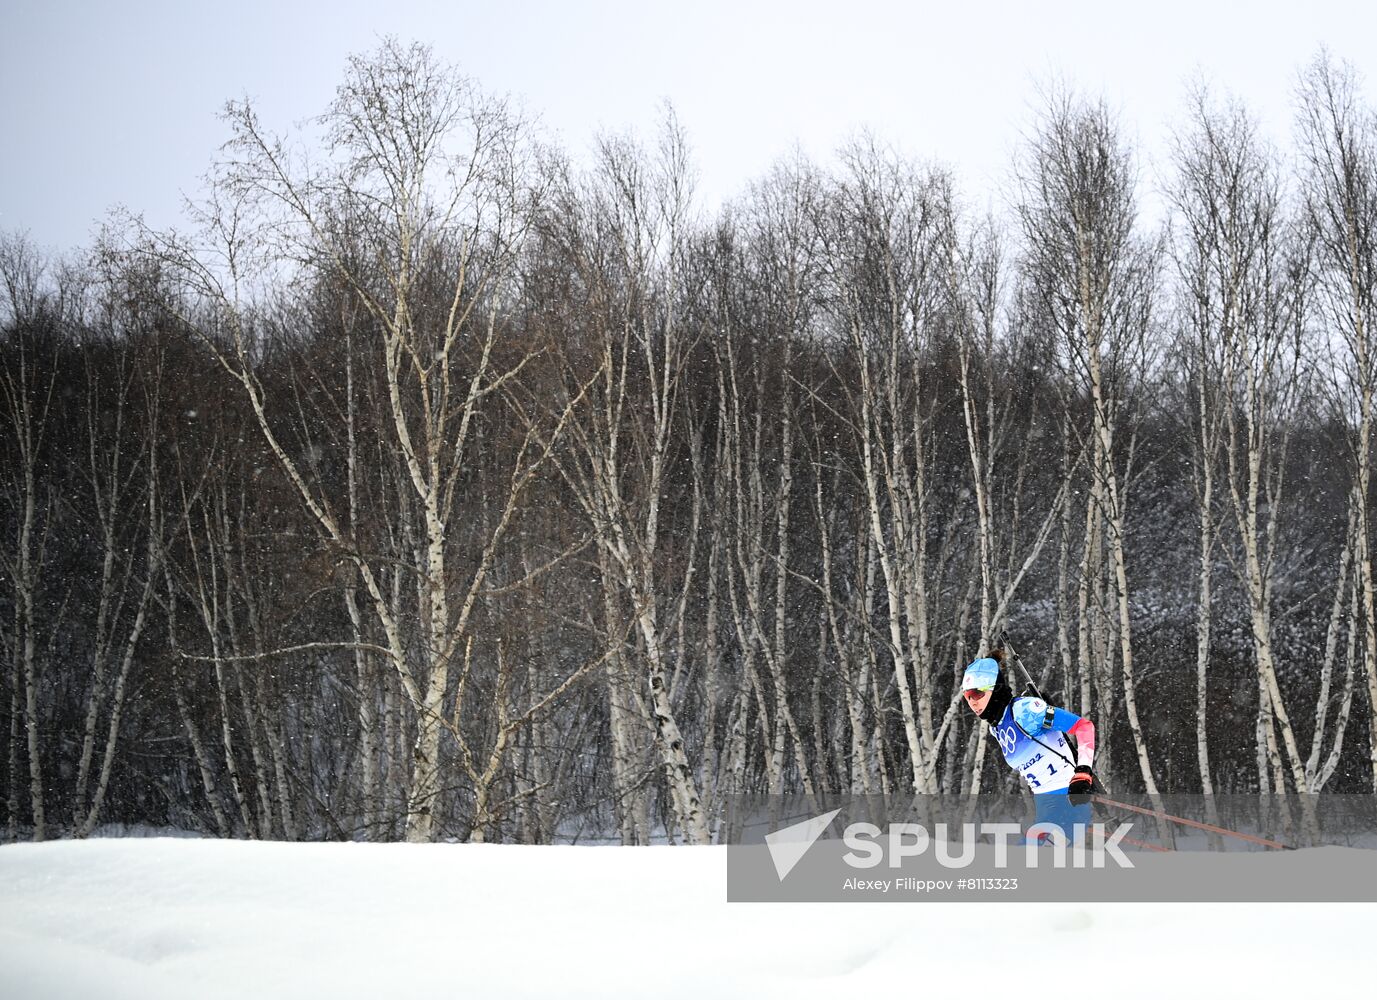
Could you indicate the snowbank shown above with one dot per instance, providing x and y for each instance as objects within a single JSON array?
[{"x": 201, "y": 918}]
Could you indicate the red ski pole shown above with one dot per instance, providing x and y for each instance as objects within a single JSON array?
[
  {"x": 1144, "y": 845},
  {"x": 1190, "y": 822}
]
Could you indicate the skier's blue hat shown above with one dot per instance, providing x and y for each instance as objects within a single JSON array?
[{"x": 981, "y": 675}]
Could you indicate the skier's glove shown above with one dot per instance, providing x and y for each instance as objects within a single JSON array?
[{"x": 1081, "y": 783}]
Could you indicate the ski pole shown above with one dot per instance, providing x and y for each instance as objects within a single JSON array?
[
  {"x": 1190, "y": 822},
  {"x": 1144, "y": 845}
]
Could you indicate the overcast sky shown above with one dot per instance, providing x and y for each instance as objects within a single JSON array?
[{"x": 105, "y": 103}]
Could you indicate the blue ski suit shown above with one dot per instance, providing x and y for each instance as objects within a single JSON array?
[{"x": 1032, "y": 736}]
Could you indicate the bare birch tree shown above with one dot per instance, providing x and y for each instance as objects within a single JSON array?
[
  {"x": 1096, "y": 279},
  {"x": 886, "y": 250},
  {"x": 632, "y": 255},
  {"x": 1338, "y": 140},
  {"x": 128, "y": 582},
  {"x": 27, "y": 384},
  {"x": 426, "y": 182}
]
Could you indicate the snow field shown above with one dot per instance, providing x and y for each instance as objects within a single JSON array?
[{"x": 172, "y": 918}]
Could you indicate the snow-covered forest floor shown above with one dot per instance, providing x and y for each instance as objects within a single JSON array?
[{"x": 164, "y": 917}]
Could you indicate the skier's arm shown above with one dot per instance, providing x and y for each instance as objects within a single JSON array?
[{"x": 1079, "y": 727}]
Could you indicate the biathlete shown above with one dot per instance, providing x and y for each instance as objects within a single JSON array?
[{"x": 1032, "y": 736}]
